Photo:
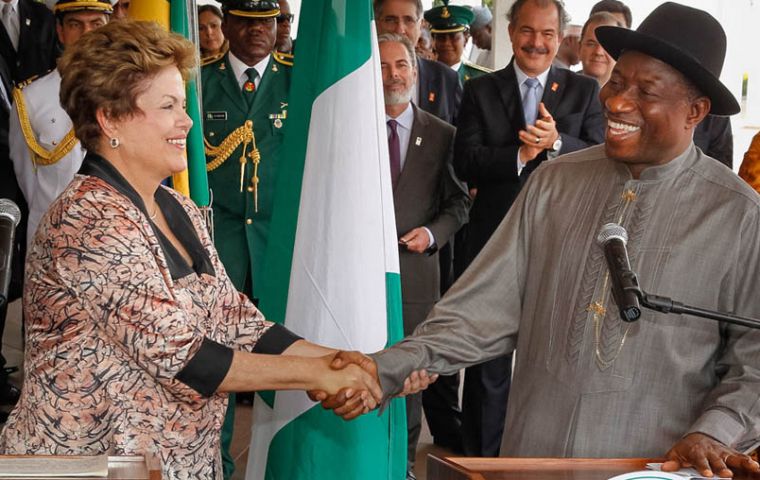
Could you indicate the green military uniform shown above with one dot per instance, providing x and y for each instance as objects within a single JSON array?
[
  {"x": 468, "y": 70},
  {"x": 236, "y": 128},
  {"x": 450, "y": 19},
  {"x": 242, "y": 204}
]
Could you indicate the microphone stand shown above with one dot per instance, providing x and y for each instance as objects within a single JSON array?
[{"x": 667, "y": 305}]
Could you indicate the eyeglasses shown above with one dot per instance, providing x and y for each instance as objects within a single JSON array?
[
  {"x": 285, "y": 17},
  {"x": 393, "y": 21}
]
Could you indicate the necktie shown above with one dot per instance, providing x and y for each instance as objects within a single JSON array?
[
  {"x": 249, "y": 87},
  {"x": 530, "y": 101},
  {"x": 394, "y": 150},
  {"x": 10, "y": 24}
]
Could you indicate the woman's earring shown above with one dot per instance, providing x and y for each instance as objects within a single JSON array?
[{"x": 114, "y": 142}]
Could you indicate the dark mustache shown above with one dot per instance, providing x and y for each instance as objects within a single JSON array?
[{"x": 539, "y": 50}]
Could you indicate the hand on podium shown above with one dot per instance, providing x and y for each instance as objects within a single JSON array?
[
  {"x": 347, "y": 403},
  {"x": 708, "y": 456}
]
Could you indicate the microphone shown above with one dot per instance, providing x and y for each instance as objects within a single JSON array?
[
  {"x": 10, "y": 215},
  {"x": 625, "y": 286}
]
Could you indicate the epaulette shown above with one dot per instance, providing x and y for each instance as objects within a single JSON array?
[
  {"x": 284, "y": 58},
  {"x": 21, "y": 85},
  {"x": 477, "y": 67},
  {"x": 212, "y": 58},
  {"x": 40, "y": 155}
]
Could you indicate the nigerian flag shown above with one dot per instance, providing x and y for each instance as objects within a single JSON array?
[{"x": 332, "y": 269}]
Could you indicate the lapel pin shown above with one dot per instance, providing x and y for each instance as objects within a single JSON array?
[
  {"x": 418, "y": 141},
  {"x": 555, "y": 86},
  {"x": 222, "y": 67},
  {"x": 28, "y": 22},
  {"x": 274, "y": 67},
  {"x": 431, "y": 97}
]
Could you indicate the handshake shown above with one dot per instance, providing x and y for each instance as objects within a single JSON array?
[{"x": 350, "y": 386}]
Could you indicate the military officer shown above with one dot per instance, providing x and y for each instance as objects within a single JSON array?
[
  {"x": 245, "y": 109},
  {"x": 449, "y": 26},
  {"x": 44, "y": 150}
]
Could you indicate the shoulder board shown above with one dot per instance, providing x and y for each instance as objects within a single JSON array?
[
  {"x": 21, "y": 85},
  {"x": 476, "y": 66},
  {"x": 283, "y": 58},
  {"x": 212, "y": 58}
]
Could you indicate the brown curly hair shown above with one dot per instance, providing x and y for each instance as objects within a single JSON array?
[{"x": 108, "y": 68}]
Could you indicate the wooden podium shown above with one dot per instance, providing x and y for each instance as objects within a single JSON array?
[{"x": 461, "y": 468}]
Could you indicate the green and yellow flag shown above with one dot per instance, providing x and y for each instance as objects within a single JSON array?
[{"x": 179, "y": 16}]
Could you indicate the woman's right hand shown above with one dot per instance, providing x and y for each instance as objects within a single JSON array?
[{"x": 351, "y": 379}]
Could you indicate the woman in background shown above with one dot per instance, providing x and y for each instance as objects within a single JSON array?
[{"x": 212, "y": 41}]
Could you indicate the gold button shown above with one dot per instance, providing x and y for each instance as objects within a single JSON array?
[
  {"x": 249, "y": 221},
  {"x": 250, "y": 188}
]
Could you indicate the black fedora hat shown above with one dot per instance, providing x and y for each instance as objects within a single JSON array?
[{"x": 687, "y": 39}]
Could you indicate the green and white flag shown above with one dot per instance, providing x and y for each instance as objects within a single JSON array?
[{"x": 332, "y": 267}]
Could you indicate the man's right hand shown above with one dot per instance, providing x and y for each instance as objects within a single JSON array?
[
  {"x": 346, "y": 403},
  {"x": 349, "y": 405}
]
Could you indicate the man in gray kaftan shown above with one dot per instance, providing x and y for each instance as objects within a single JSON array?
[{"x": 585, "y": 383}]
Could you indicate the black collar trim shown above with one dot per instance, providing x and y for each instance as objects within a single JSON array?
[{"x": 176, "y": 216}]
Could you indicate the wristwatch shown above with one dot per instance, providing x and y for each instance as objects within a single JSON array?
[{"x": 557, "y": 145}]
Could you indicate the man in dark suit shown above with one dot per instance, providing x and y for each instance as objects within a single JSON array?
[
  {"x": 28, "y": 41},
  {"x": 509, "y": 122},
  {"x": 715, "y": 137},
  {"x": 430, "y": 203},
  {"x": 439, "y": 92},
  {"x": 8, "y": 189}
]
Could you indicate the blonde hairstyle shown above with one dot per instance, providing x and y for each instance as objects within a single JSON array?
[{"x": 108, "y": 68}]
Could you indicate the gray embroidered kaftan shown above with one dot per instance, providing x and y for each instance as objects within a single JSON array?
[{"x": 541, "y": 286}]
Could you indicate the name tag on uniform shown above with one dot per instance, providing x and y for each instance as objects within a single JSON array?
[{"x": 216, "y": 115}]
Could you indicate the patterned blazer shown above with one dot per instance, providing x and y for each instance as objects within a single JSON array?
[{"x": 126, "y": 344}]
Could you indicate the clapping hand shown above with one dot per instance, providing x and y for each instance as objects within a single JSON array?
[
  {"x": 539, "y": 137},
  {"x": 708, "y": 456}
]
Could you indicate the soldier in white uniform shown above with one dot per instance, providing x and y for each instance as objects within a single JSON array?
[{"x": 43, "y": 148}]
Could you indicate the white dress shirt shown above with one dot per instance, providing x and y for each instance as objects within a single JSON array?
[
  {"x": 521, "y": 77},
  {"x": 239, "y": 67},
  {"x": 405, "y": 121}
]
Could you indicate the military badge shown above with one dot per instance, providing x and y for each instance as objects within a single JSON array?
[{"x": 249, "y": 86}]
